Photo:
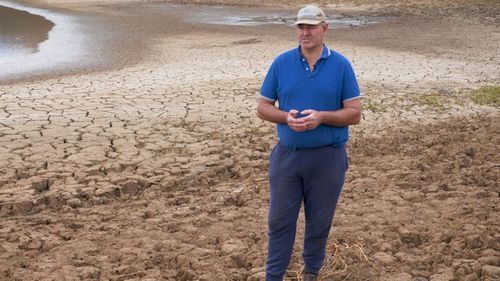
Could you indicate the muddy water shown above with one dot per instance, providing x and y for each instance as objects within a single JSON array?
[
  {"x": 36, "y": 41},
  {"x": 21, "y": 32}
]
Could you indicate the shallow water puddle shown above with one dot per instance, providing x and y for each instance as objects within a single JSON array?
[
  {"x": 35, "y": 40},
  {"x": 252, "y": 16},
  {"x": 335, "y": 21},
  {"x": 21, "y": 31}
]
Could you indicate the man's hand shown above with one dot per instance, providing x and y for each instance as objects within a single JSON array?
[
  {"x": 296, "y": 124},
  {"x": 312, "y": 119}
]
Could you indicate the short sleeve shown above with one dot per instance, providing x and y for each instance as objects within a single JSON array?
[
  {"x": 269, "y": 88},
  {"x": 350, "y": 89}
]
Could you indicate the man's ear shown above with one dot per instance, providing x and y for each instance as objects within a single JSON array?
[{"x": 325, "y": 27}]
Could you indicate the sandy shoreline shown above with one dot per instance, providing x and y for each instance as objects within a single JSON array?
[{"x": 156, "y": 170}]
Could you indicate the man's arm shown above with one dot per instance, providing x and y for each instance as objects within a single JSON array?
[
  {"x": 350, "y": 114},
  {"x": 268, "y": 112}
]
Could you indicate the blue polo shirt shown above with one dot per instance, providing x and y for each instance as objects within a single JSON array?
[{"x": 290, "y": 82}]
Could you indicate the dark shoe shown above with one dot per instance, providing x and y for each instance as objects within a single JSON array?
[{"x": 310, "y": 277}]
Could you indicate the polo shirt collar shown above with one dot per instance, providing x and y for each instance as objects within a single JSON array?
[{"x": 325, "y": 54}]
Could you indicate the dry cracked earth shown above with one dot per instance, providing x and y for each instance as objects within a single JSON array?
[{"x": 158, "y": 171}]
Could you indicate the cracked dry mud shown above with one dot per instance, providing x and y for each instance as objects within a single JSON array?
[{"x": 158, "y": 171}]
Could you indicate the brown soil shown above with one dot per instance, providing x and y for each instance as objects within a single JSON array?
[{"x": 158, "y": 170}]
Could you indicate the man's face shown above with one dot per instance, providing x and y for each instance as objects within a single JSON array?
[{"x": 311, "y": 36}]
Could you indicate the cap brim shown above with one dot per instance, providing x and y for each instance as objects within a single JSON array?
[{"x": 311, "y": 22}]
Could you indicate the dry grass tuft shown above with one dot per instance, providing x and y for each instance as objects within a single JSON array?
[{"x": 340, "y": 255}]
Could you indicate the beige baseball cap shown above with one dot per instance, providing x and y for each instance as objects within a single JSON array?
[{"x": 310, "y": 14}]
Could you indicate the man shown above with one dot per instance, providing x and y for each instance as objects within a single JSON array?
[{"x": 318, "y": 98}]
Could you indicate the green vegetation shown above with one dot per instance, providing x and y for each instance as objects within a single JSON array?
[
  {"x": 375, "y": 106},
  {"x": 432, "y": 100},
  {"x": 487, "y": 96}
]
